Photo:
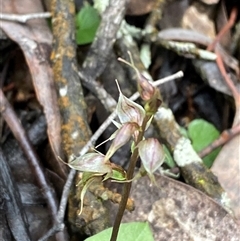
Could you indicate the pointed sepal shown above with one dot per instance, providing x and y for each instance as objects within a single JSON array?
[
  {"x": 91, "y": 162},
  {"x": 122, "y": 136}
]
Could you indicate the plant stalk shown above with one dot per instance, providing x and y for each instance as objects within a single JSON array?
[{"x": 127, "y": 185}]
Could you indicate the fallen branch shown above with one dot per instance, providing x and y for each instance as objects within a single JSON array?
[
  {"x": 23, "y": 18},
  {"x": 225, "y": 137},
  {"x": 98, "y": 55}
]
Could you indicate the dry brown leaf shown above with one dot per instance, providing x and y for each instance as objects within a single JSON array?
[
  {"x": 35, "y": 40},
  {"x": 198, "y": 17},
  {"x": 227, "y": 168},
  {"x": 177, "y": 211}
]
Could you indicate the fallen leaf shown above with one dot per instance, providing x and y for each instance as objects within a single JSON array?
[
  {"x": 199, "y": 17},
  {"x": 177, "y": 211},
  {"x": 227, "y": 167}
]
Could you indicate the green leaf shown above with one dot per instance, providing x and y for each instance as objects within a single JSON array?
[
  {"x": 135, "y": 231},
  {"x": 168, "y": 157},
  {"x": 203, "y": 133},
  {"x": 87, "y": 22},
  {"x": 119, "y": 176}
]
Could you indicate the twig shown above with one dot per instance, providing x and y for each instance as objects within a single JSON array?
[
  {"x": 98, "y": 55},
  {"x": 74, "y": 125},
  {"x": 177, "y": 75},
  {"x": 105, "y": 98},
  {"x": 59, "y": 225},
  {"x": 228, "y": 25},
  {"x": 186, "y": 35},
  {"x": 24, "y": 17},
  {"x": 226, "y": 136},
  {"x": 20, "y": 134},
  {"x": 235, "y": 93}
]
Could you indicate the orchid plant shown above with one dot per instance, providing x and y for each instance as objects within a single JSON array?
[{"x": 134, "y": 121}]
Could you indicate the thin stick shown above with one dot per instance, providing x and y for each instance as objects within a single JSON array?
[
  {"x": 235, "y": 93},
  {"x": 225, "y": 137},
  {"x": 59, "y": 225},
  {"x": 227, "y": 27},
  {"x": 24, "y": 17}
]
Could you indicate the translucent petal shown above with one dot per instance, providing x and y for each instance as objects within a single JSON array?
[
  {"x": 129, "y": 111},
  {"x": 151, "y": 154}
]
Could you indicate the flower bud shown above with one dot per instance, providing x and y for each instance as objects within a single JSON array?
[
  {"x": 152, "y": 104},
  {"x": 151, "y": 154},
  {"x": 146, "y": 88}
]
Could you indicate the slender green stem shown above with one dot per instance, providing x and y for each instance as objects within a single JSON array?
[{"x": 127, "y": 185}]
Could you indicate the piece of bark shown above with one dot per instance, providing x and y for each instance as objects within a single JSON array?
[
  {"x": 74, "y": 129},
  {"x": 192, "y": 168}
]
